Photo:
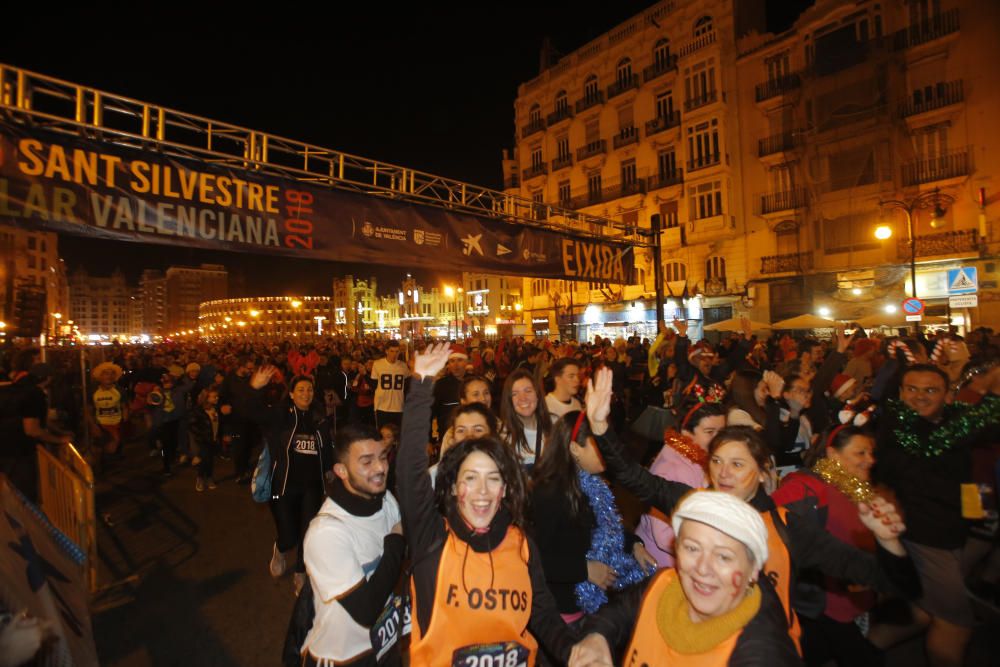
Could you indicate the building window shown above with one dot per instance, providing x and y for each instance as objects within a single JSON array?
[
  {"x": 564, "y": 194},
  {"x": 594, "y": 185},
  {"x": 849, "y": 169},
  {"x": 562, "y": 147},
  {"x": 592, "y": 131},
  {"x": 777, "y": 66},
  {"x": 715, "y": 269},
  {"x": 623, "y": 73},
  {"x": 703, "y": 26},
  {"x": 665, "y": 104},
  {"x": 699, "y": 84},
  {"x": 562, "y": 101},
  {"x": 675, "y": 271},
  {"x": 849, "y": 233},
  {"x": 668, "y": 211},
  {"x": 666, "y": 164},
  {"x": 535, "y": 114},
  {"x": 786, "y": 236},
  {"x": 703, "y": 144},
  {"x": 661, "y": 53},
  {"x": 628, "y": 174},
  {"x": 536, "y": 157},
  {"x": 590, "y": 87},
  {"x": 706, "y": 200}
]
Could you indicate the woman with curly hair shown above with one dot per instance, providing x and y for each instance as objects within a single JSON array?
[{"x": 478, "y": 586}]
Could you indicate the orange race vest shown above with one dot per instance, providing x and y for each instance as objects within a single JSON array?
[
  {"x": 474, "y": 624},
  {"x": 648, "y": 647},
  {"x": 778, "y": 569}
]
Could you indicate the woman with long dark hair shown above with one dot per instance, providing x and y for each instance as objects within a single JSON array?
[
  {"x": 478, "y": 586},
  {"x": 524, "y": 417},
  {"x": 585, "y": 551}
]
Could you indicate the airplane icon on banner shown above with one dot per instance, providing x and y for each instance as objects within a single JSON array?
[
  {"x": 472, "y": 242},
  {"x": 503, "y": 250}
]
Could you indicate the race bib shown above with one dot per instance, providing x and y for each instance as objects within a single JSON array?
[
  {"x": 509, "y": 654},
  {"x": 392, "y": 623}
]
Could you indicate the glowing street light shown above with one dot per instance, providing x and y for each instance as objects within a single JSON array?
[
  {"x": 890, "y": 309},
  {"x": 296, "y": 303},
  {"x": 883, "y": 232},
  {"x": 824, "y": 312},
  {"x": 254, "y": 313}
]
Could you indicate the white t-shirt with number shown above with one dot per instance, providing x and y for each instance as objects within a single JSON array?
[
  {"x": 340, "y": 550},
  {"x": 389, "y": 381}
]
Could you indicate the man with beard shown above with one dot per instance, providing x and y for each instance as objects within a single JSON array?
[
  {"x": 924, "y": 454},
  {"x": 354, "y": 552}
]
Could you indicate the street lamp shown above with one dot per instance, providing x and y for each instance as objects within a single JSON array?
[{"x": 928, "y": 200}]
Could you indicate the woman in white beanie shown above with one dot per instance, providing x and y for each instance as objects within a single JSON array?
[
  {"x": 712, "y": 608},
  {"x": 738, "y": 465}
]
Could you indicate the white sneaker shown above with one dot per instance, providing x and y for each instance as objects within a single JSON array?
[{"x": 278, "y": 565}]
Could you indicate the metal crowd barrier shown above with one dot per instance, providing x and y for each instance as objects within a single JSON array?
[{"x": 66, "y": 494}]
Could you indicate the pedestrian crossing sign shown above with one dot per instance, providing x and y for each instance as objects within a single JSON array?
[{"x": 963, "y": 280}]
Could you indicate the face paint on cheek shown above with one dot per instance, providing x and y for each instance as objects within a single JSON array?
[{"x": 737, "y": 582}]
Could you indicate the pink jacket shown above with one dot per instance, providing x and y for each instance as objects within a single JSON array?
[{"x": 654, "y": 528}]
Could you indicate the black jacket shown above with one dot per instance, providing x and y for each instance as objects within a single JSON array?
[{"x": 279, "y": 423}]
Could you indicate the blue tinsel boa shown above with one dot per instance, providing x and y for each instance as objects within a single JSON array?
[{"x": 607, "y": 545}]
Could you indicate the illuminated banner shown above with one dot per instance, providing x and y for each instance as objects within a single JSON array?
[{"x": 72, "y": 185}]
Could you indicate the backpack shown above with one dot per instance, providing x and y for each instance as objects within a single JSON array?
[{"x": 260, "y": 486}]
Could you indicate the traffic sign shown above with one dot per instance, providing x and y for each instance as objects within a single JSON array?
[
  {"x": 963, "y": 280},
  {"x": 964, "y": 301},
  {"x": 913, "y": 306}
]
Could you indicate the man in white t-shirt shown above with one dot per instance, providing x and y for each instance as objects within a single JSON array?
[
  {"x": 390, "y": 375},
  {"x": 565, "y": 374},
  {"x": 354, "y": 554}
]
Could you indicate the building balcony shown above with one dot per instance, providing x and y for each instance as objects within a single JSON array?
[
  {"x": 789, "y": 200},
  {"x": 511, "y": 181},
  {"x": 779, "y": 86},
  {"x": 626, "y": 136},
  {"x": 558, "y": 115},
  {"x": 659, "y": 68},
  {"x": 838, "y": 61},
  {"x": 955, "y": 164},
  {"x": 778, "y": 143},
  {"x": 926, "y": 31},
  {"x": 562, "y": 162},
  {"x": 944, "y": 93},
  {"x": 703, "y": 161},
  {"x": 794, "y": 262},
  {"x": 963, "y": 241},
  {"x": 598, "y": 147},
  {"x": 662, "y": 123},
  {"x": 533, "y": 126},
  {"x": 665, "y": 180},
  {"x": 701, "y": 100},
  {"x": 697, "y": 44},
  {"x": 590, "y": 100},
  {"x": 606, "y": 194},
  {"x": 534, "y": 170},
  {"x": 622, "y": 85}
]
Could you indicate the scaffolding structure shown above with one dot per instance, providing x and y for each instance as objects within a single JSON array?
[{"x": 61, "y": 106}]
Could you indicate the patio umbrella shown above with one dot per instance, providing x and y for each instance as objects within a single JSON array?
[
  {"x": 896, "y": 319},
  {"x": 806, "y": 321},
  {"x": 733, "y": 324}
]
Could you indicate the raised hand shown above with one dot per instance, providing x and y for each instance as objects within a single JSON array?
[
  {"x": 775, "y": 383},
  {"x": 598, "y": 400},
  {"x": 843, "y": 340},
  {"x": 880, "y": 517},
  {"x": 592, "y": 651},
  {"x": 429, "y": 363},
  {"x": 262, "y": 376},
  {"x": 681, "y": 326},
  {"x": 746, "y": 328}
]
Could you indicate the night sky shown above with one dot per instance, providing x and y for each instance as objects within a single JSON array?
[{"x": 428, "y": 86}]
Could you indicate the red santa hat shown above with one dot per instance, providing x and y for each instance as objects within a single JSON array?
[
  {"x": 702, "y": 348},
  {"x": 458, "y": 352},
  {"x": 841, "y": 385}
]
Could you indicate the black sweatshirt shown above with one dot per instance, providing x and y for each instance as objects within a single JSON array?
[
  {"x": 809, "y": 545},
  {"x": 426, "y": 533}
]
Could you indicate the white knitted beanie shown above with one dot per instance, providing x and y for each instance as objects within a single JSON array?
[{"x": 727, "y": 514}]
